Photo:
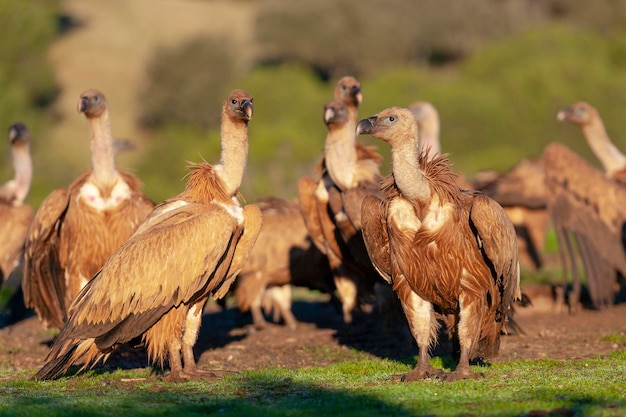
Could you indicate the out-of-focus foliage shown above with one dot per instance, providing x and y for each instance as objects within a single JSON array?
[
  {"x": 27, "y": 84},
  {"x": 510, "y": 65},
  {"x": 500, "y": 104},
  {"x": 187, "y": 83},
  {"x": 363, "y": 37},
  {"x": 286, "y": 136}
]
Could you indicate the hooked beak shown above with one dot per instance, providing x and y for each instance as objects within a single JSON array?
[
  {"x": 562, "y": 115},
  {"x": 358, "y": 94},
  {"x": 366, "y": 126},
  {"x": 329, "y": 114},
  {"x": 82, "y": 104},
  {"x": 248, "y": 108}
]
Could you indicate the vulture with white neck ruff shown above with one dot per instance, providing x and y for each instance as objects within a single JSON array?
[
  {"x": 75, "y": 229},
  {"x": 155, "y": 285}
]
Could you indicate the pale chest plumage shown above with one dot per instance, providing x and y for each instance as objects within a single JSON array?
[
  {"x": 92, "y": 196},
  {"x": 402, "y": 215}
]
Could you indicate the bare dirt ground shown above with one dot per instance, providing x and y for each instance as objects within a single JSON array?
[{"x": 228, "y": 341}]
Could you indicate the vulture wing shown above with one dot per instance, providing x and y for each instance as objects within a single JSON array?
[
  {"x": 309, "y": 211},
  {"x": 43, "y": 281},
  {"x": 175, "y": 259},
  {"x": 14, "y": 224},
  {"x": 496, "y": 238},
  {"x": 375, "y": 236}
]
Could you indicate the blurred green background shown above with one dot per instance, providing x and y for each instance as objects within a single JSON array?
[{"x": 497, "y": 70}]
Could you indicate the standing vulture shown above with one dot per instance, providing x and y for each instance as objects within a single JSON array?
[
  {"x": 15, "y": 216},
  {"x": 331, "y": 204},
  {"x": 444, "y": 250},
  {"x": 283, "y": 256},
  {"x": 583, "y": 207},
  {"x": 75, "y": 229},
  {"x": 156, "y": 284}
]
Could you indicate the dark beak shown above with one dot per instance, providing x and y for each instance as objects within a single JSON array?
[
  {"x": 248, "y": 108},
  {"x": 366, "y": 126},
  {"x": 564, "y": 114},
  {"x": 329, "y": 114},
  {"x": 82, "y": 104},
  {"x": 356, "y": 92}
]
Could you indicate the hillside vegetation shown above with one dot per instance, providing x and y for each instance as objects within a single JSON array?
[{"x": 498, "y": 71}]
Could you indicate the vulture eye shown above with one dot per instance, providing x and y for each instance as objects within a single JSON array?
[
  {"x": 233, "y": 101},
  {"x": 392, "y": 118}
]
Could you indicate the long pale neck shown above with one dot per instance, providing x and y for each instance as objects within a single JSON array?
[
  {"x": 407, "y": 172},
  {"x": 340, "y": 154},
  {"x": 234, "y": 154},
  {"x": 23, "y": 166},
  {"x": 102, "y": 154},
  {"x": 610, "y": 157}
]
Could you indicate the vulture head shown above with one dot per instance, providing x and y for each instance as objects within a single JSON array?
[
  {"x": 392, "y": 125},
  {"x": 18, "y": 132},
  {"x": 348, "y": 90},
  {"x": 423, "y": 111},
  {"x": 239, "y": 105},
  {"x": 335, "y": 113},
  {"x": 579, "y": 113},
  {"x": 92, "y": 103}
]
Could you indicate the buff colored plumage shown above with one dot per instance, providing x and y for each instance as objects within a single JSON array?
[
  {"x": 15, "y": 215},
  {"x": 75, "y": 229},
  {"x": 331, "y": 204},
  {"x": 156, "y": 284}
]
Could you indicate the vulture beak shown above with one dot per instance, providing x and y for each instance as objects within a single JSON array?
[
  {"x": 248, "y": 108},
  {"x": 83, "y": 103},
  {"x": 562, "y": 115},
  {"x": 356, "y": 92},
  {"x": 329, "y": 114},
  {"x": 13, "y": 133},
  {"x": 366, "y": 126}
]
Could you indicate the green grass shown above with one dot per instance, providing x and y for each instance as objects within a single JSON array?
[{"x": 359, "y": 386}]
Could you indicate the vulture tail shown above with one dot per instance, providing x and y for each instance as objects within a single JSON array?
[{"x": 64, "y": 355}]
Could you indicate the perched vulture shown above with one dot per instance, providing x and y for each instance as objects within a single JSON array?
[
  {"x": 15, "y": 216},
  {"x": 331, "y": 204},
  {"x": 283, "y": 256},
  {"x": 75, "y": 229},
  {"x": 444, "y": 250},
  {"x": 156, "y": 284}
]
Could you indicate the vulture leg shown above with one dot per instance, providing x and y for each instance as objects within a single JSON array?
[
  {"x": 256, "y": 309},
  {"x": 469, "y": 329},
  {"x": 279, "y": 299},
  {"x": 190, "y": 336},
  {"x": 346, "y": 286},
  {"x": 424, "y": 327}
]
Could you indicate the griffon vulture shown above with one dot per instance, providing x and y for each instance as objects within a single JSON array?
[
  {"x": 444, "y": 250},
  {"x": 283, "y": 256},
  {"x": 75, "y": 229},
  {"x": 331, "y": 204},
  {"x": 15, "y": 216},
  {"x": 156, "y": 284}
]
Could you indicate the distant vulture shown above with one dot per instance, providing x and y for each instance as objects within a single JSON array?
[
  {"x": 283, "y": 256},
  {"x": 445, "y": 251},
  {"x": 331, "y": 204},
  {"x": 75, "y": 229},
  {"x": 15, "y": 215},
  {"x": 156, "y": 284}
]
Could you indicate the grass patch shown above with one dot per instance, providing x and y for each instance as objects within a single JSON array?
[{"x": 355, "y": 387}]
